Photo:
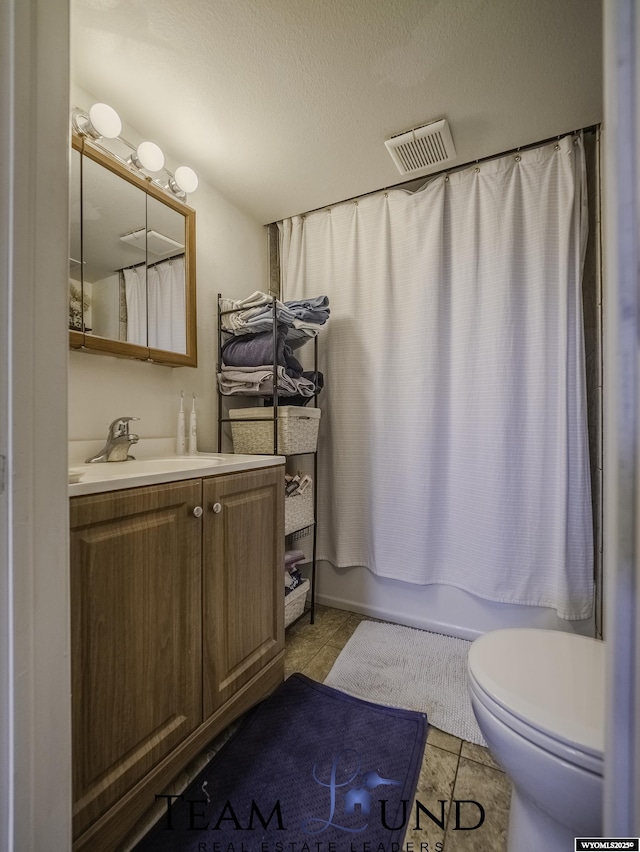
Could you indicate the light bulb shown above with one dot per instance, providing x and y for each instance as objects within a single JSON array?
[
  {"x": 186, "y": 179},
  {"x": 149, "y": 156},
  {"x": 105, "y": 121}
]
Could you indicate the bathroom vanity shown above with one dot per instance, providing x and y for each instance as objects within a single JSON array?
[{"x": 177, "y": 622}]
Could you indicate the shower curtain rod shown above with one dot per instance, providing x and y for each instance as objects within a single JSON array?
[
  {"x": 155, "y": 263},
  {"x": 592, "y": 128}
]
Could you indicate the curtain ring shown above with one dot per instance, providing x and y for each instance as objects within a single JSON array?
[
  {"x": 355, "y": 203},
  {"x": 477, "y": 169},
  {"x": 386, "y": 195},
  {"x": 446, "y": 178},
  {"x": 557, "y": 147},
  {"x": 517, "y": 158}
]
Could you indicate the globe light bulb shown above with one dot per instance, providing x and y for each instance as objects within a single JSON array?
[
  {"x": 104, "y": 121},
  {"x": 186, "y": 179},
  {"x": 149, "y": 156}
]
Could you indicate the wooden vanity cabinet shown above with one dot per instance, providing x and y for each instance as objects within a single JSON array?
[
  {"x": 176, "y": 629},
  {"x": 243, "y": 602},
  {"x": 136, "y": 626}
]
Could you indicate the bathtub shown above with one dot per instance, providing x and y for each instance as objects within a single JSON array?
[{"x": 439, "y": 608}]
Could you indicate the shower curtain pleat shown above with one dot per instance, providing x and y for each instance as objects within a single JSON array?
[{"x": 454, "y": 434}]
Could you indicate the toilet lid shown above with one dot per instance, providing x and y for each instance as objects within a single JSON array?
[{"x": 551, "y": 680}]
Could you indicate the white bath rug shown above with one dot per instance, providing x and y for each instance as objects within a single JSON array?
[{"x": 414, "y": 669}]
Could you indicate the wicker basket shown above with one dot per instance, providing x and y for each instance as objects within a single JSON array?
[
  {"x": 297, "y": 430},
  {"x": 294, "y": 603},
  {"x": 298, "y": 511}
]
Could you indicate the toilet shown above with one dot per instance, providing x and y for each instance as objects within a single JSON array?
[{"x": 538, "y": 697}]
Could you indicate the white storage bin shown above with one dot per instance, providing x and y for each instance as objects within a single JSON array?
[
  {"x": 294, "y": 602},
  {"x": 297, "y": 430},
  {"x": 298, "y": 511}
]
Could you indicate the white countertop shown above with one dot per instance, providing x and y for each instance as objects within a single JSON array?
[{"x": 113, "y": 476}]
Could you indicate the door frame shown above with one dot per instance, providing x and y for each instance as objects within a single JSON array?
[
  {"x": 35, "y": 706},
  {"x": 621, "y": 428}
]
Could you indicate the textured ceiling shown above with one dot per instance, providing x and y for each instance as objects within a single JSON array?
[{"x": 284, "y": 105}]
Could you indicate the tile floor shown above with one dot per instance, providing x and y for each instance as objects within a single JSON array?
[{"x": 451, "y": 768}]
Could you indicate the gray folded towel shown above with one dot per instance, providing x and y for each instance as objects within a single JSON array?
[{"x": 256, "y": 350}]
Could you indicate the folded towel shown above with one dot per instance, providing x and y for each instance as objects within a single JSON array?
[
  {"x": 316, "y": 378},
  {"x": 256, "y": 350},
  {"x": 301, "y": 332},
  {"x": 313, "y": 304},
  {"x": 251, "y": 310},
  {"x": 258, "y": 381},
  {"x": 253, "y": 304},
  {"x": 255, "y": 314},
  {"x": 255, "y": 300}
]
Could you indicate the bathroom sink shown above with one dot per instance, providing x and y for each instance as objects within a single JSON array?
[
  {"x": 143, "y": 467},
  {"x": 110, "y": 476},
  {"x": 136, "y": 466}
]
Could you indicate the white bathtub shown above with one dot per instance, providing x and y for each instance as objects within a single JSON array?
[{"x": 441, "y": 609}]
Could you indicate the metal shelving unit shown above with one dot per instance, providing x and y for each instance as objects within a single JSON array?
[{"x": 275, "y": 397}]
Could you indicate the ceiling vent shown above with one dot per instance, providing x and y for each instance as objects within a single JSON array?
[
  {"x": 155, "y": 242},
  {"x": 422, "y": 148}
]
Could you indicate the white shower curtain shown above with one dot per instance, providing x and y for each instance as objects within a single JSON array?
[
  {"x": 167, "y": 310},
  {"x": 156, "y": 305},
  {"x": 454, "y": 436},
  {"x": 135, "y": 290}
]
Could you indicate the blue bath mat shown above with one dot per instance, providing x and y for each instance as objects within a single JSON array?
[{"x": 309, "y": 765}]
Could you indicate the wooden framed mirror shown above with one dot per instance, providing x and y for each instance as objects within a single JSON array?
[{"x": 132, "y": 271}]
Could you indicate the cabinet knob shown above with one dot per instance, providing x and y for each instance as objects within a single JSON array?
[
  {"x": 197, "y": 512},
  {"x": 217, "y": 508}
]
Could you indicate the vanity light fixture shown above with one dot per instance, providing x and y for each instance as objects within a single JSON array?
[{"x": 102, "y": 122}]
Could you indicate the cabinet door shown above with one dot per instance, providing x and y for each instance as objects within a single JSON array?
[
  {"x": 136, "y": 636},
  {"x": 243, "y": 580}
]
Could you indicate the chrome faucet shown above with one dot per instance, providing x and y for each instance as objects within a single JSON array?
[{"x": 119, "y": 440}]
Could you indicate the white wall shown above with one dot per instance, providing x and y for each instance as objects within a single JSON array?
[{"x": 231, "y": 259}]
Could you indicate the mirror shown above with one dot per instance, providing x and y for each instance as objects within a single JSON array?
[
  {"x": 76, "y": 297},
  {"x": 132, "y": 263}
]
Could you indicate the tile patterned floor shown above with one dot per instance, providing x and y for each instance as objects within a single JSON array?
[{"x": 451, "y": 768}]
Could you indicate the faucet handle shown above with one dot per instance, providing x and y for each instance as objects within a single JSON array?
[{"x": 120, "y": 426}]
